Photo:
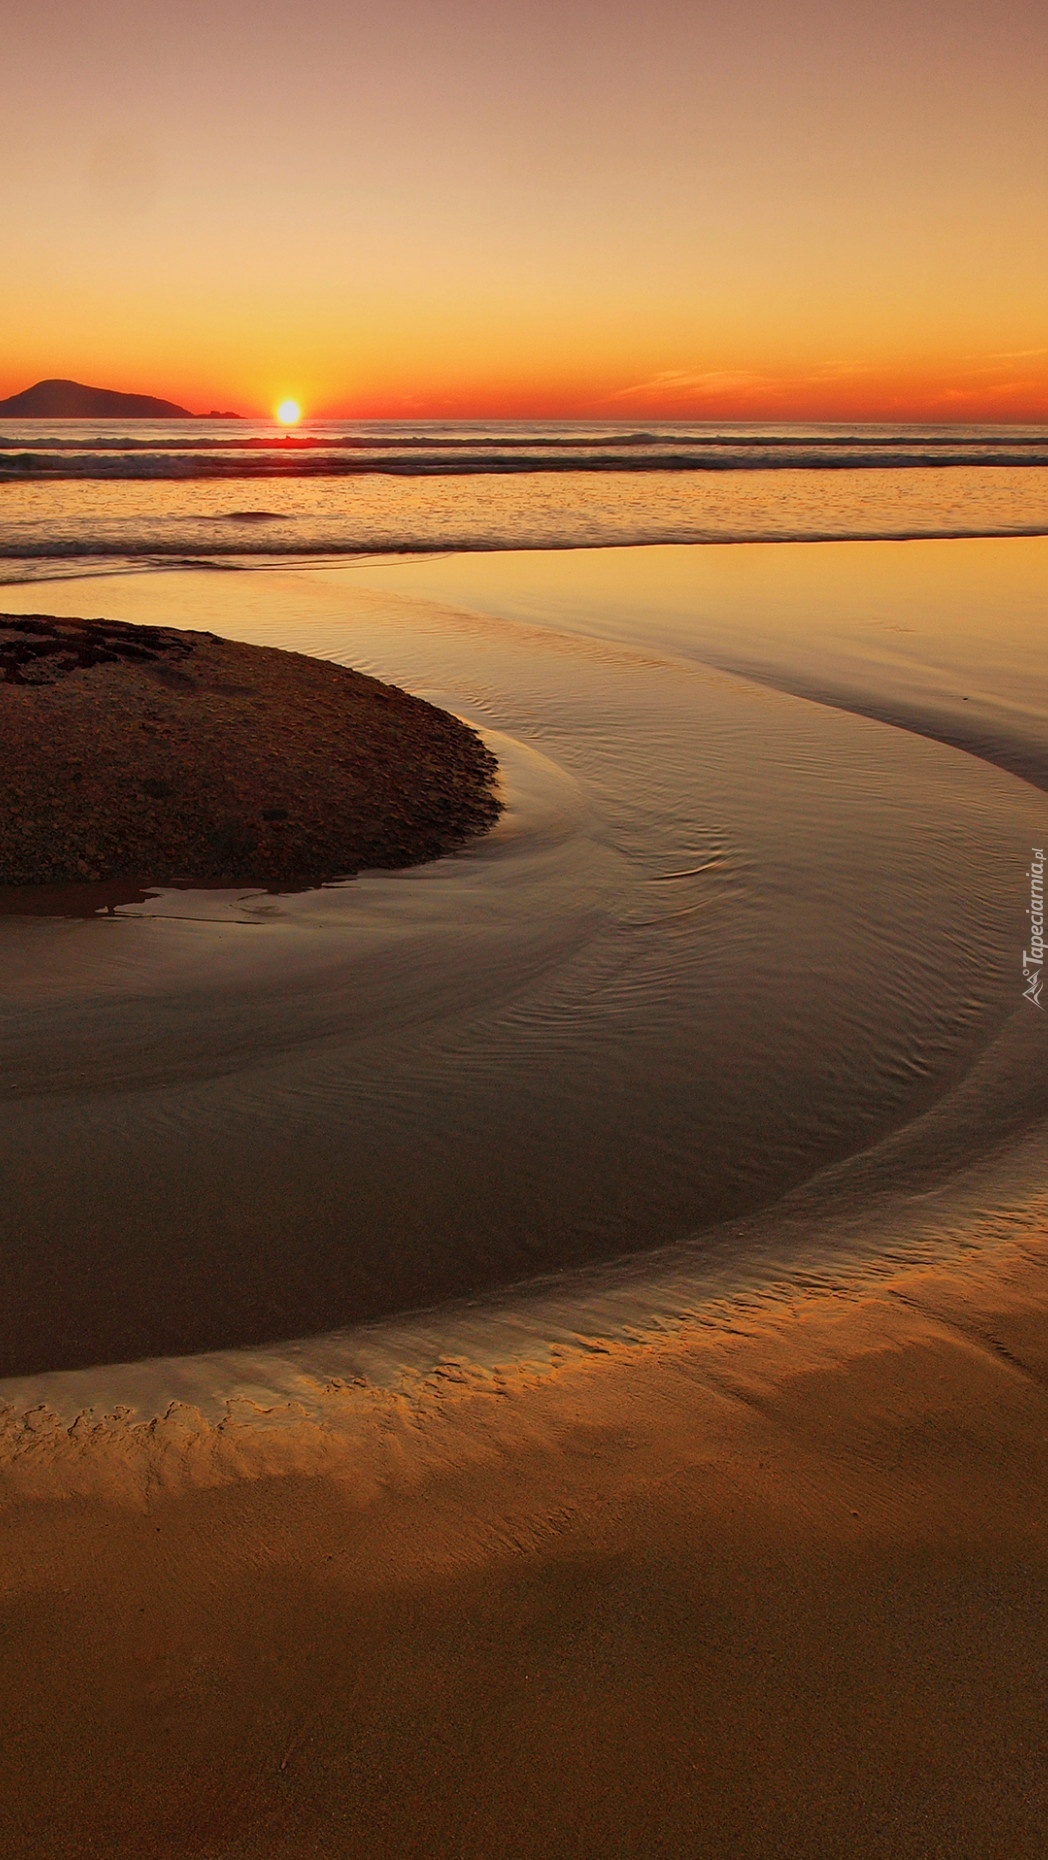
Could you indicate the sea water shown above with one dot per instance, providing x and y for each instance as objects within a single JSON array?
[{"x": 74, "y": 492}]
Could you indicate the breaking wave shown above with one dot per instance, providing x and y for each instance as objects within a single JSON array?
[{"x": 196, "y": 449}]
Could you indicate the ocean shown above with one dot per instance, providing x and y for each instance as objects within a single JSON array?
[{"x": 75, "y": 493}]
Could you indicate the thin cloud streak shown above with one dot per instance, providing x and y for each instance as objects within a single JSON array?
[{"x": 712, "y": 383}]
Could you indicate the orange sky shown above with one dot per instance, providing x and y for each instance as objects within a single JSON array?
[{"x": 774, "y": 208}]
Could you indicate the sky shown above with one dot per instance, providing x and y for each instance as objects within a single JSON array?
[{"x": 764, "y": 209}]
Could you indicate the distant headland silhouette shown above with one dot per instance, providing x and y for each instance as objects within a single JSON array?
[{"x": 71, "y": 400}]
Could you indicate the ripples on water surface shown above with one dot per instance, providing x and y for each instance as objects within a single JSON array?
[{"x": 733, "y": 992}]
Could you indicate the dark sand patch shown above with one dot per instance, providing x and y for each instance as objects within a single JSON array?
[{"x": 156, "y": 756}]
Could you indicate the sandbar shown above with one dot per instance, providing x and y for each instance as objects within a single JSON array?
[{"x": 160, "y": 756}]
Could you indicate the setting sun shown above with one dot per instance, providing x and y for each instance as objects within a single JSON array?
[{"x": 289, "y": 413}]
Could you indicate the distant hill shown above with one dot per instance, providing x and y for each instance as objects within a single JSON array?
[{"x": 70, "y": 400}]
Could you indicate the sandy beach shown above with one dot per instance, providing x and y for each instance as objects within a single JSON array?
[
  {"x": 547, "y": 1351},
  {"x": 773, "y": 1588}
]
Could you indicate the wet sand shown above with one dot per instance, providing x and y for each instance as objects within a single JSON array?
[
  {"x": 736, "y": 1546},
  {"x": 721, "y": 940},
  {"x": 776, "y": 1588}
]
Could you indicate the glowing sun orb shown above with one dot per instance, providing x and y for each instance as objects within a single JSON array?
[{"x": 289, "y": 413}]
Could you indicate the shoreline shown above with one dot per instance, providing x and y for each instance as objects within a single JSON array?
[{"x": 772, "y": 1589}]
